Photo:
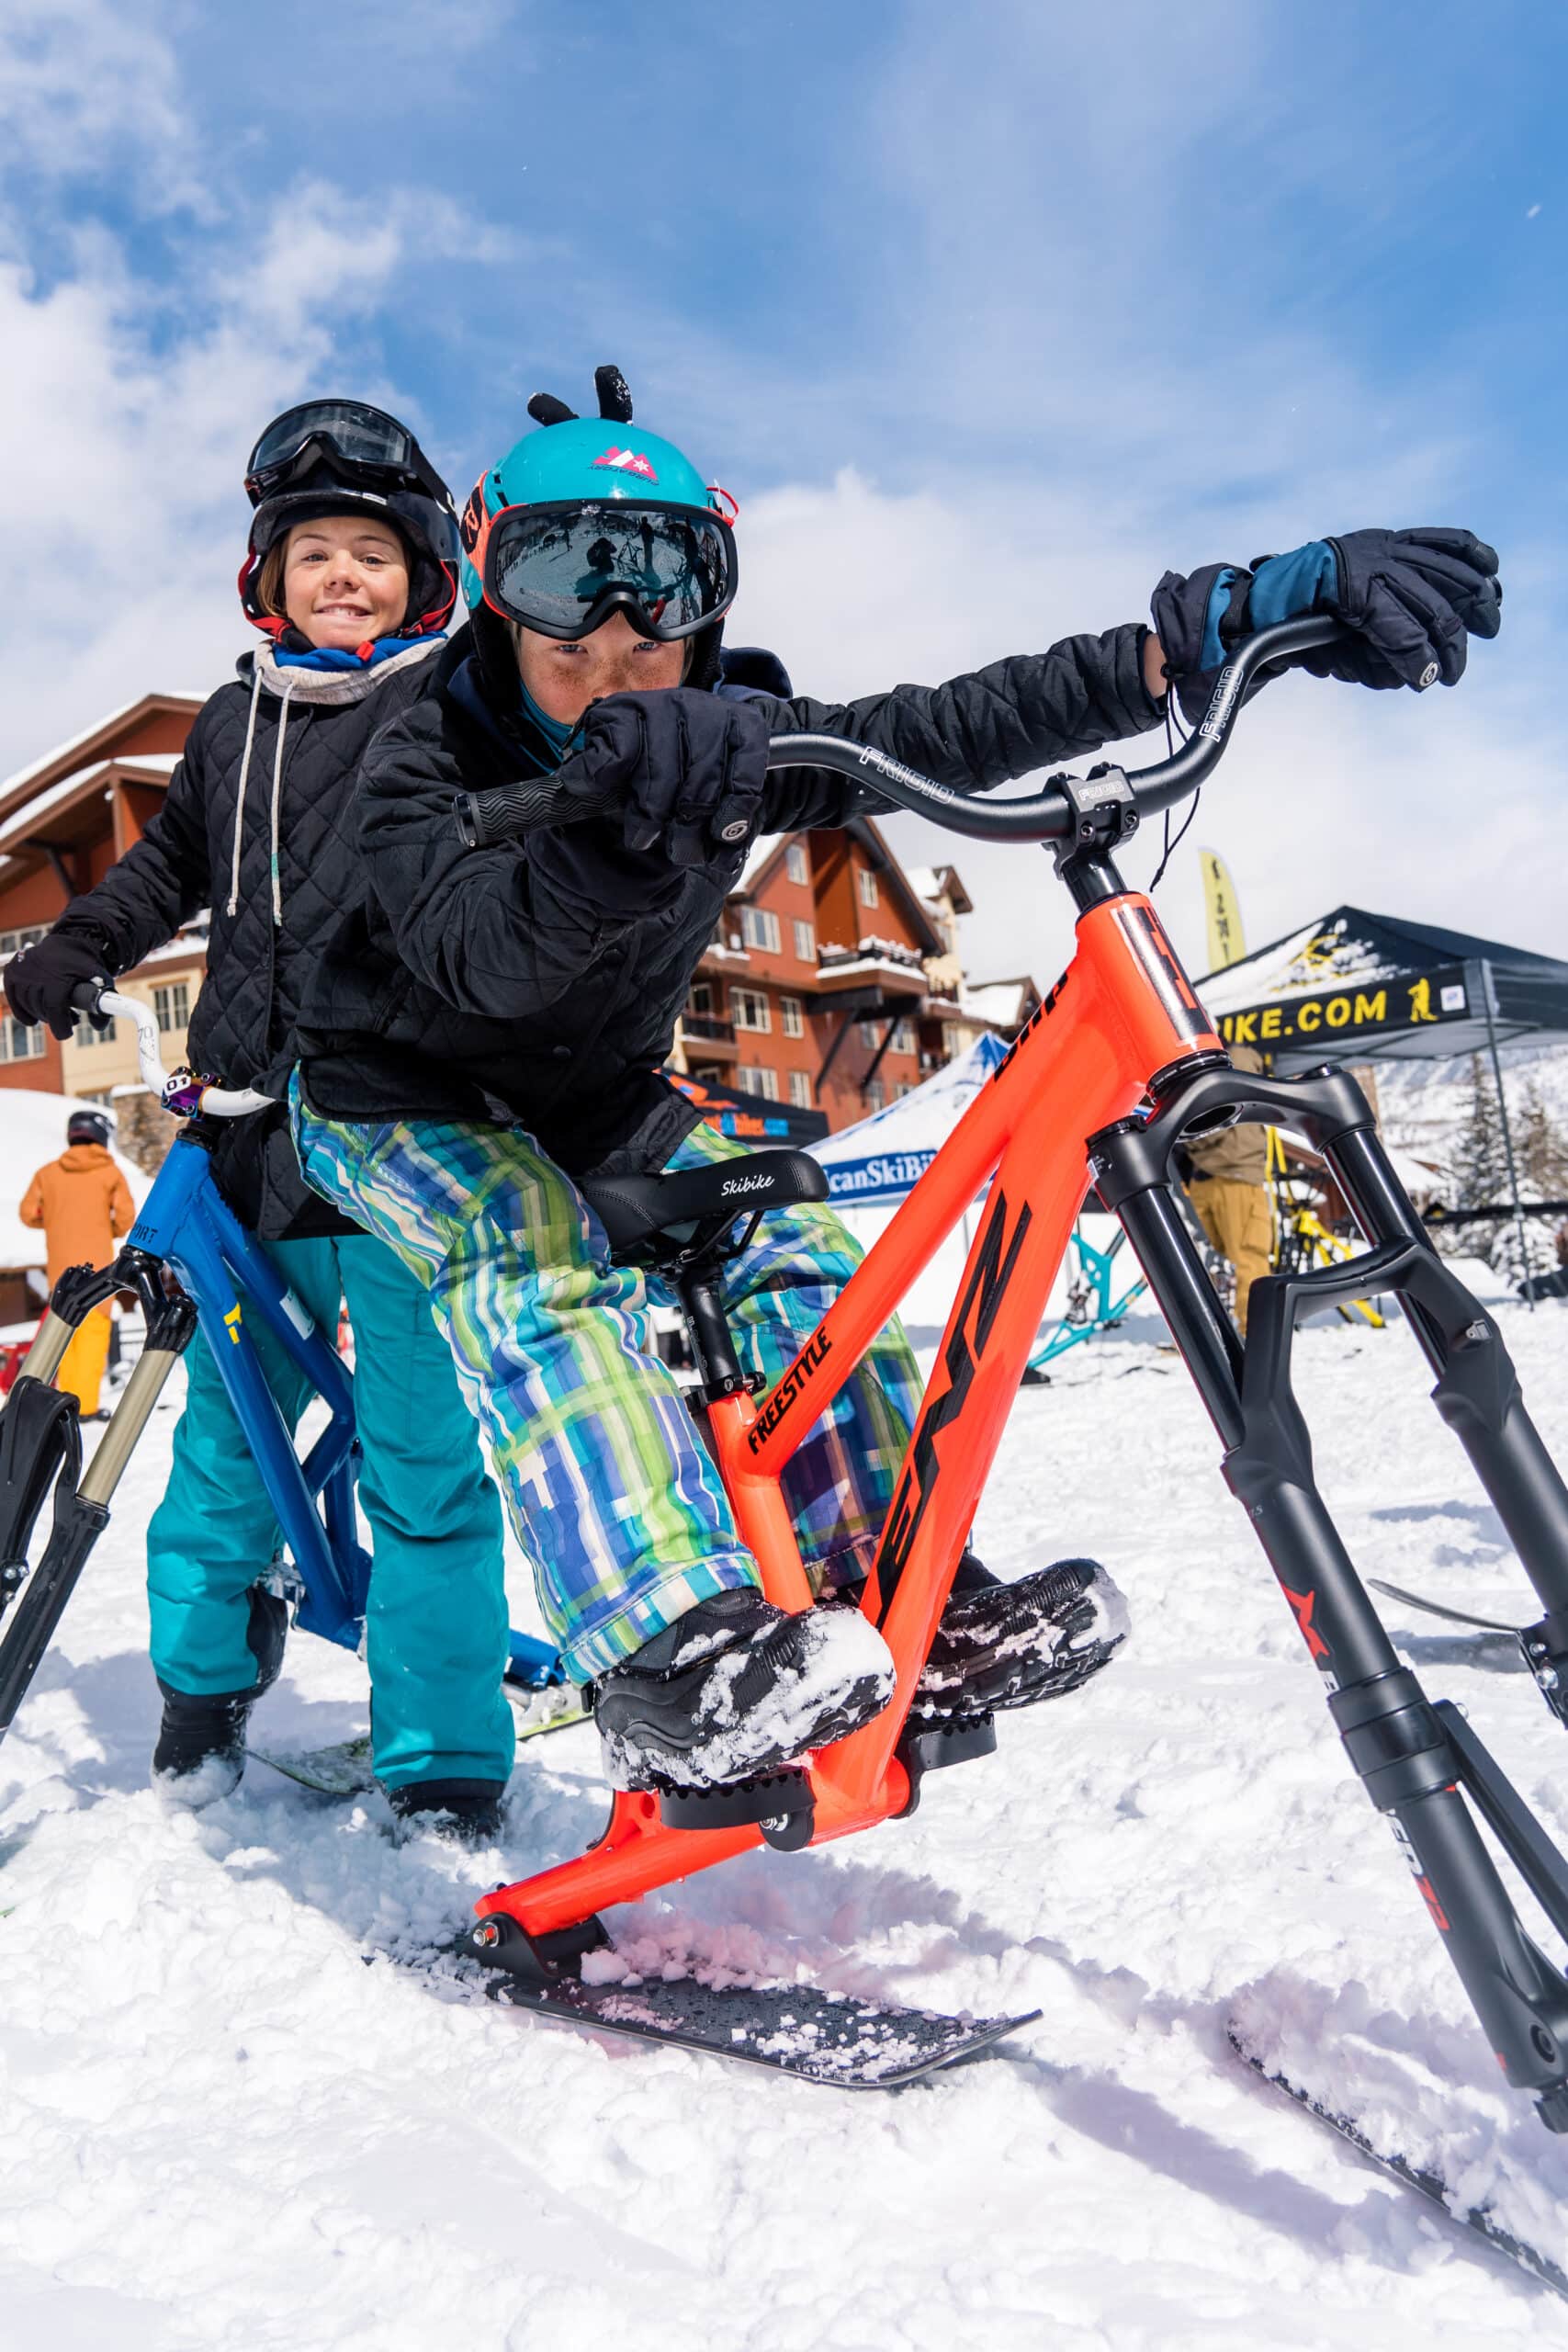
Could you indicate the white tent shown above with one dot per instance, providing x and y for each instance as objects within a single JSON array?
[{"x": 874, "y": 1163}]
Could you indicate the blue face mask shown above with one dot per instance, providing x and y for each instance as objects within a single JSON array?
[
  {"x": 343, "y": 657},
  {"x": 555, "y": 732}
]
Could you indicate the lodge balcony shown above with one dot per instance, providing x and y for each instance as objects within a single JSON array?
[{"x": 709, "y": 1037}]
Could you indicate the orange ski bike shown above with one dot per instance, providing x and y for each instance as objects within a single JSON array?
[{"x": 1120, "y": 1062}]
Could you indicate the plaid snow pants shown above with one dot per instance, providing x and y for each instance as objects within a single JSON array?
[{"x": 612, "y": 1496}]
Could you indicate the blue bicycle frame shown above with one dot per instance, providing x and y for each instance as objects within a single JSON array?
[
  {"x": 185, "y": 1222},
  {"x": 1090, "y": 1307}
]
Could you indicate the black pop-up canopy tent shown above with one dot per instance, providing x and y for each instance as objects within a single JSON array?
[
  {"x": 1373, "y": 987},
  {"x": 1378, "y": 989}
]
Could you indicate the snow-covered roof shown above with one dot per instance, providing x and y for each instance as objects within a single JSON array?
[
  {"x": 100, "y": 726},
  {"x": 1001, "y": 1002},
  {"x": 32, "y": 1133},
  {"x": 161, "y": 763},
  {"x": 16, "y": 827},
  {"x": 757, "y": 856},
  {"x": 934, "y": 883},
  {"x": 857, "y": 967}
]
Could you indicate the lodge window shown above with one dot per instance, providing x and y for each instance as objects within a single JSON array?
[
  {"x": 805, "y": 942},
  {"x": 870, "y": 1034},
  {"x": 792, "y": 1016},
  {"x": 11, "y": 940},
  {"x": 764, "y": 1082},
  {"x": 749, "y": 1009},
  {"x": 876, "y": 1095},
  {"x": 800, "y": 1089},
  {"x": 19, "y": 1045},
  {"x": 903, "y": 1037},
  {"x": 796, "y": 864},
  {"x": 760, "y": 929},
  {"x": 865, "y": 881},
  {"x": 172, "y": 1005}
]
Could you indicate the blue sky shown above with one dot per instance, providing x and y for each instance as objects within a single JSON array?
[{"x": 986, "y": 316}]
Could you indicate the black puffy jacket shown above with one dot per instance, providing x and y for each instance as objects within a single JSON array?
[
  {"x": 541, "y": 982},
  {"x": 269, "y": 769}
]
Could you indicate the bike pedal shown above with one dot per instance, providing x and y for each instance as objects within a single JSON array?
[
  {"x": 933, "y": 1742},
  {"x": 780, "y": 1804}
]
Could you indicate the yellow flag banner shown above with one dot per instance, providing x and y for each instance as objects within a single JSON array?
[{"x": 1226, "y": 944}]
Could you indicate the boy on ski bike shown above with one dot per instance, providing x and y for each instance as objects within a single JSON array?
[
  {"x": 351, "y": 575},
  {"x": 487, "y": 1027}
]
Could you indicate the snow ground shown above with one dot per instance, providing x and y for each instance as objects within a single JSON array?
[{"x": 224, "y": 2128}]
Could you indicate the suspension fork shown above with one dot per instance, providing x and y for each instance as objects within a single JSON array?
[
  {"x": 40, "y": 1431},
  {"x": 1400, "y": 1747}
]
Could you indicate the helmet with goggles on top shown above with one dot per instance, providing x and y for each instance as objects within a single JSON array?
[
  {"x": 336, "y": 457},
  {"x": 578, "y": 522}
]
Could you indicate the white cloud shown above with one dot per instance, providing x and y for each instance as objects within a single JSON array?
[
  {"x": 1444, "y": 806},
  {"x": 90, "y": 89}
]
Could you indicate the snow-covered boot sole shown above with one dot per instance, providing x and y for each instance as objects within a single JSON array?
[
  {"x": 737, "y": 1687},
  {"x": 464, "y": 1813},
  {"x": 1013, "y": 1644},
  {"x": 200, "y": 1754}
]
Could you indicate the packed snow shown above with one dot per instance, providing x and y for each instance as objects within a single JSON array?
[{"x": 237, "y": 2119}]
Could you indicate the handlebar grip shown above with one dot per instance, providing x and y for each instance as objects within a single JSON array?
[
  {"x": 85, "y": 994},
  {"x": 485, "y": 819}
]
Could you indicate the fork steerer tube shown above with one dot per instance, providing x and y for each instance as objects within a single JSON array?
[{"x": 1397, "y": 1742}]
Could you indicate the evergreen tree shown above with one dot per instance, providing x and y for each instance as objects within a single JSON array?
[
  {"x": 1543, "y": 1149},
  {"x": 1477, "y": 1168}
]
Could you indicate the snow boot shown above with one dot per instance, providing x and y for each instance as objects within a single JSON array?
[
  {"x": 201, "y": 1753},
  {"x": 1012, "y": 1644},
  {"x": 201, "y": 1744},
  {"x": 736, "y": 1687},
  {"x": 467, "y": 1812}
]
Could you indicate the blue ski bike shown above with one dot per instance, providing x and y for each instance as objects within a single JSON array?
[{"x": 193, "y": 1267}]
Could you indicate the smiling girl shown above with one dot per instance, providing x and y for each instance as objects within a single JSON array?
[{"x": 351, "y": 577}]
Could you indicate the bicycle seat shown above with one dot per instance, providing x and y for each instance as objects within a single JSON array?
[{"x": 635, "y": 1209}]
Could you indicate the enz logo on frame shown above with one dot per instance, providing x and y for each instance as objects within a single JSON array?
[{"x": 972, "y": 1330}]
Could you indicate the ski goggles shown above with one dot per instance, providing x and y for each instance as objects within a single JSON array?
[
  {"x": 563, "y": 568},
  {"x": 360, "y": 444}
]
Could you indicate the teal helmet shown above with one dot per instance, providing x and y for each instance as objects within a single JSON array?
[{"x": 583, "y": 517}]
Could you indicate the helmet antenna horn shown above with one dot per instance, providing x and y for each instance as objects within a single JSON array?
[
  {"x": 544, "y": 409},
  {"x": 615, "y": 394}
]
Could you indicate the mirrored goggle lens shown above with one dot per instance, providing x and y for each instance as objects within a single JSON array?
[
  {"x": 549, "y": 568},
  {"x": 363, "y": 435}
]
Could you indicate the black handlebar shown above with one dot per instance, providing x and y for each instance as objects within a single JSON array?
[{"x": 486, "y": 818}]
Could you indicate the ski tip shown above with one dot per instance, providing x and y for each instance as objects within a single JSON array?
[{"x": 1477, "y": 2220}]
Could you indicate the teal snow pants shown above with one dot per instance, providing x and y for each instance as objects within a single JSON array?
[{"x": 436, "y": 1625}]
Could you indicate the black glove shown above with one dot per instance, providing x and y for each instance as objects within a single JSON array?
[
  {"x": 692, "y": 766},
  {"x": 1412, "y": 598},
  {"x": 41, "y": 980}
]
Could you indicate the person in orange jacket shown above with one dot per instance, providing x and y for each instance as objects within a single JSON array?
[{"x": 84, "y": 1204}]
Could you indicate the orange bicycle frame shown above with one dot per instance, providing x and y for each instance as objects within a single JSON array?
[{"x": 1123, "y": 1013}]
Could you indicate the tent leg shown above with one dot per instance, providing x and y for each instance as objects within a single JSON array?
[{"x": 1508, "y": 1142}]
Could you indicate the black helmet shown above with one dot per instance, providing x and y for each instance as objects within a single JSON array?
[
  {"x": 343, "y": 456},
  {"x": 88, "y": 1126}
]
